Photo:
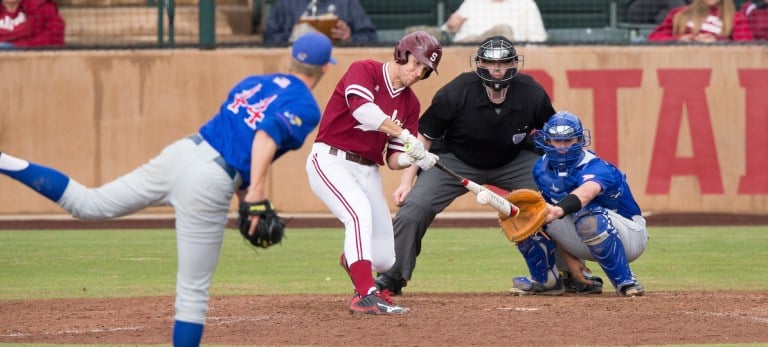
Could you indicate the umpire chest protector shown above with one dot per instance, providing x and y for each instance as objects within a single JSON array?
[{"x": 462, "y": 120}]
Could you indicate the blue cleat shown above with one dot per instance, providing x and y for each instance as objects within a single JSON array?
[
  {"x": 527, "y": 286},
  {"x": 632, "y": 290}
]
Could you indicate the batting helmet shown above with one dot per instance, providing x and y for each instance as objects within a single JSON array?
[
  {"x": 497, "y": 49},
  {"x": 423, "y": 46},
  {"x": 562, "y": 126}
]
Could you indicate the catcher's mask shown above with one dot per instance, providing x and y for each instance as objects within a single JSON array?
[
  {"x": 563, "y": 126},
  {"x": 497, "y": 62},
  {"x": 423, "y": 46}
]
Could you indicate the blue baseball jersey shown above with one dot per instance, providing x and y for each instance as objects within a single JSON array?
[
  {"x": 615, "y": 194},
  {"x": 279, "y": 104}
]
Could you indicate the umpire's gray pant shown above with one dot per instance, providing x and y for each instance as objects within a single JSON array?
[{"x": 435, "y": 190}]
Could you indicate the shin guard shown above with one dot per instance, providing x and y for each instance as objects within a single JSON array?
[
  {"x": 539, "y": 254},
  {"x": 606, "y": 247}
]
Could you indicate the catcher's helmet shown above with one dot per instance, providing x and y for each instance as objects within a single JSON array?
[
  {"x": 497, "y": 49},
  {"x": 563, "y": 126},
  {"x": 423, "y": 46}
]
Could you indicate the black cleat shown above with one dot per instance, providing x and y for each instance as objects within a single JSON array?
[
  {"x": 572, "y": 285},
  {"x": 388, "y": 282}
]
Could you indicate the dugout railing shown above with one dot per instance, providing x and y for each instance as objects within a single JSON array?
[{"x": 207, "y": 24}]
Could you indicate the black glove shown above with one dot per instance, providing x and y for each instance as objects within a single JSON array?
[{"x": 270, "y": 229}]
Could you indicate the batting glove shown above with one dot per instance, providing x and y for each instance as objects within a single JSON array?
[
  {"x": 413, "y": 147},
  {"x": 428, "y": 161}
]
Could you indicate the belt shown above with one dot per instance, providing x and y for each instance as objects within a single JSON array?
[
  {"x": 231, "y": 172},
  {"x": 351, "y": 156}
]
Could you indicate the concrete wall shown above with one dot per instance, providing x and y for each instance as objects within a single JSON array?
[{"x": 687, "y": 124}]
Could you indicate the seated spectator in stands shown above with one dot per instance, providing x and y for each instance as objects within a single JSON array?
[
  {"x": 703, "y": 21},
  {"x": 30, "y": 23},
  {"x": 353, "y": 25},
  {"x": 651, "y": 11},
  {"x": 757, "y": 17},
  {"x": 475, "y": 20}
]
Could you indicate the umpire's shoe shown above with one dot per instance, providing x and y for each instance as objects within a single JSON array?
[
  {"x": 388, "y": 282},
  {"x": 377, "y": 302},
  {"x": 527, "y": 286},
  {"x": 572, "y": 285}
]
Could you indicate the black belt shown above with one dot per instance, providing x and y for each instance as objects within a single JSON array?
[
  {"x": 197, "y": 139},
  {"x": 352, "y": 157}
]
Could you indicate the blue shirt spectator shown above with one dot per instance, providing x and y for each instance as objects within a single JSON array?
[{"x": 353, "y": 26}]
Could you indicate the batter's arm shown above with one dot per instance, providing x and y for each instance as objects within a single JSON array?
[{"x": 409, "y": 176}]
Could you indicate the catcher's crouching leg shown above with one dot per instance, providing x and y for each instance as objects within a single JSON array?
[
  {"x": 597, "y": 232},
  {"x": 539, "y": 254}
]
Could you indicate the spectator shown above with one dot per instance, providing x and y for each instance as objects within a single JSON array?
[
  {"x": 704, "y": 21},
  {"x": 651, "y": 11},
  {"x": 475, "y": 20},
  {"x": 757, "y": 17},
  {"x": 353, "y": 26},
  {"x": 30, "y": 23}
]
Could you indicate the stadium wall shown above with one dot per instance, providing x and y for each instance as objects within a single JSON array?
[{"x": 687, "y": 124}]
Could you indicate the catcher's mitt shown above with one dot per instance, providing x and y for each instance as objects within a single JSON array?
[
  {"x": 270, "y": 229},
  {"x": 533, "y": 212}
]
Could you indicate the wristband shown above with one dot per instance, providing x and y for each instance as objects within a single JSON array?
[{"x": 569, "y": 204}]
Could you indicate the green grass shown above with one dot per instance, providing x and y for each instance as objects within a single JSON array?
[{"x": 119, "y": 263}]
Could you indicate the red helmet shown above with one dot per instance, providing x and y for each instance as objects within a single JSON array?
[{"x": 425, "y": 47}]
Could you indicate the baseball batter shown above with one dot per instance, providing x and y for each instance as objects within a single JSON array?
[
  {"x": 593, "y": 215},
  {"x": 372, "y": 111},
  {"x": 263, "y": 117}
]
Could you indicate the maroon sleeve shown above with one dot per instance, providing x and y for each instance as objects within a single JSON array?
[
  {"x": 358, "y": 83},
  {"x": 741, "y": 30},
  {"x": 47, "y": 27},
  {"x": 663, "y": 32}
]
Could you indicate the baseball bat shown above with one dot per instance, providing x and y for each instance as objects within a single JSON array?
[{"x": 495, "y": 200}]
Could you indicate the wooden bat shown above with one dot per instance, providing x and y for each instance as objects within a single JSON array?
[{"x": 484, "y": 195}]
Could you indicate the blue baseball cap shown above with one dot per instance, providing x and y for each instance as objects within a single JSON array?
[{"x": 313, "y": 48}]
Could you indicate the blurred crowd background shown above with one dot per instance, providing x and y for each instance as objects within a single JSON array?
[{"x": 74, "y": 24}]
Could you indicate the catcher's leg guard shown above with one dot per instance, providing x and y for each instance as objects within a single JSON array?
[
  {"x": 597, "y": 232},
  {"x": 539, "y": 254}
]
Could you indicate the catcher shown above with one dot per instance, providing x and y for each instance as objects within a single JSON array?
[{"x": 590, "y": 214}]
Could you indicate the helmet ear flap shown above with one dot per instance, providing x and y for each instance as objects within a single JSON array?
[{"x": 401, "y": 56}]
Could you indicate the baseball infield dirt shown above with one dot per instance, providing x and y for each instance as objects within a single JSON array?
[
  {"x": 445, "y": 319},
  {"x": 491, "y": 319}
]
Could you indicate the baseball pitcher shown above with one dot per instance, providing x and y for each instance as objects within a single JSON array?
[{"x": 263, "y": 117}]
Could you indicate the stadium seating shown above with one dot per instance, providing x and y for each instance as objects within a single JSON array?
[
  {"x": 392, "y": 17},
  {"x": 135, "y": 22},
  {"x": 575, "y": 14}
]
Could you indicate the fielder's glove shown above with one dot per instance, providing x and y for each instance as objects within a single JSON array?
[
  {"x": 270, "y": 229},
  {"x": 533, "y": 213}
]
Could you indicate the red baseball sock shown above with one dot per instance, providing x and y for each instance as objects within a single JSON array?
[{"x": 361, "y": 276}]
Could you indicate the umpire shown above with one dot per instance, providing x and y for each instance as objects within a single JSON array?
[{"x": 480, "y": 125}]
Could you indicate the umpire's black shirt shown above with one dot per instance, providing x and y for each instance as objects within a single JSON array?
[{"x": 463, "y": 121}]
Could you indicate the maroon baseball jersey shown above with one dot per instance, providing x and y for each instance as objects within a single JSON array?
[{"x": 366, "y": 81}]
